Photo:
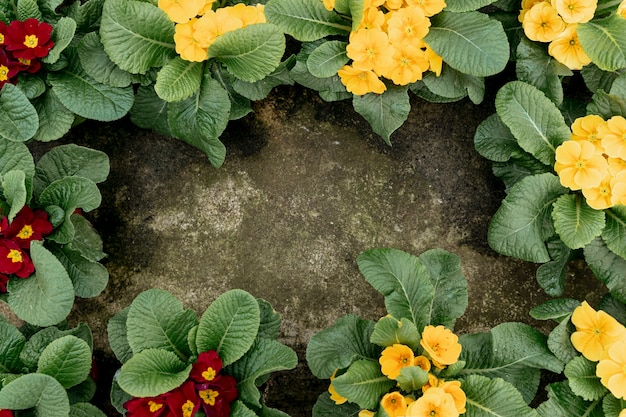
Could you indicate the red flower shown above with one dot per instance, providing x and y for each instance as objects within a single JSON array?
[
  {"x": 147, "y": 407},
  {"x": 3, "y": 32},
  {"x": 29, "y": 39},
  {"x": 14, "y": 260},
  {"x": 4, "y": 225},
  {"x": 206, "y": 368},
  {"x": 184, "y": 400},
  {"x": 6, "y": 413},
  {"x": 8, "y": 68},
  {"x": 4, "y": 279},
  {"x": 218, "y": 395},
  {"x": 29, "y": 225}
]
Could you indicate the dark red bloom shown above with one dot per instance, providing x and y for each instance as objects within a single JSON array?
[
  {"x": 6, "y": 413},
  {"x": 206, "y": 368},
  {"x": 4, "y": 225},
  {"x": 3, "y": 32},
  {"x": 218, "y": 395},
  {"x": 184, "y": 400},
  {"x": 29, "y": 225},
  {"x": 28, "y": 65},
  {"x": 147, "y": 407},
  {"x": 8, "y": 68},
  {"x": 4, "y": 280},
  {"x": 29, "y": 39},
  {"x": 14, "y": 260}
]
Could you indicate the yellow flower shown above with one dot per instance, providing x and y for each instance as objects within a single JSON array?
[
  {"x": 586, "y": 128},
  {"x": 433, "y": 382},
  {"x": 595, "y": 331},
  {"x": 394, "y": 358},
  {"x": 599, "y": 197},
  {"x": 372, "y": 3},
  {"x": 566, "y": 49},
  {"x": 526, "y": 6},
  {"x": 434, "y": 403},
  {"x": 181, "y": 11},
  {"x": 248, "y": 15},
  {"x": 429, "y": 7},
  {"x": 360, "y": 82},
  {"x": 575, "y": 11},
  {"x": 214, "y": 24},
  {"x": 393, "y": 4},
  {"x": 458, "y": 395},
  {"x": 208, "y": 5},
  {"x": 338, "y": 399},
  {"x": 187, "y": 46},
  {"x": 441, "y": 344},
  {"x": 435, "y": 62},
  {"x": 329, "y": 4},
  {"x": 621, "y": 413},
  {"x": 612, "y": 369},
  {"x": 618, "y": 188},
  {"x": 394, "y": 404},
  {"x": 542, "y": 23},
  {"x": 370, "y": 50},
  {"x": 579, "y": 166},
  {"x": 621, "y": 11},
  {"x": 409, "y": 63},
  {"x": 423, "y": 362},
  {"x": 616, "y": 165},
  {"x": 372, "y": 18},
  {"x": 407, "y": 25},
  {"x": 614, "y": 137},
  {"x": 366, "y": 413}
]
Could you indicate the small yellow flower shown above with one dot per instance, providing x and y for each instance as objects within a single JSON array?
[
  {"x": 423, "y": 362},
  {"x": 621, "y": 11},
  {"x": 433, "y": 382},
  {"x": 578, "y": 165},
  {"x": 370, "y": 50},
  {"x": 372, "y": 18},
  {"x": 394, "y": 404},
  {"x": 600, "y": 197},
  {"x": 329, "y": 4},
  {"x": 407, "y": 25},
  {"x": 394, "y": 358},
  {"x": 213, "y": 25},
  {"x": 248, "y": 15},
  {"x": 434, "y": 403},
  {"x": 393, "y": 4},
  {"x": 576, "y": 11},
  {"x": 360, "y": 82},
  {"x": 618, "y": 189},
  {"x": 586, "y": 128},
  {"x": 458, "y": 395},
  {"x": 526, "y": 6},
  {"x": 366, "y": 413},
  {"x": 612, "y": 369},
  {"x": 616, "y": 165},
  {"x": 430, "y": 7},
  {"x": 338, "y": 399},
  {"x": 614, "y": 137},
  {"x": 409, "y": 64},
  {"x": 187, "y": 46},
  {"x": 542, "y": 23},
  {"x": 441, "y": 344},
  {"x": 595, "y": 331},
  {"x": 181, "y": 11},
  {"x": 435, "y": 62},
  {"x": 566, "y": 49}
]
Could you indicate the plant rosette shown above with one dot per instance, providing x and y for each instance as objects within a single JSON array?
[
  {"x": 375, "y": 51},
  {"x": 592, "y": 343},
  {"x": 410, "y": 363},
  {"x": 201, "y": 63},
  {"x": 554, "y": 211},
  {"x": 46, "y": 372},
  {"x": 49, "y": 252},
  {"x": 174, "y": 365},
  {"x": 46, "y": 86}
]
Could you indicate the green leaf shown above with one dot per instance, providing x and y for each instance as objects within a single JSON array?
[
  {"x": 260, "y": 89},
  {"x": 403, "y": 280},
  {"x": 47, "y": 296},
  {"x": 518, "y": 167},
  {"x": 389, "y": 331},
  {"x": 86, "y": 14},
  {"x": 385, "y": 112},
  {"x": 89, "y": 278},
  {"x": 420, "y": 90},
  {"x": 597, "y": 79},
  {"x": 614, "y": 307},
  {"x": 607, "y": 105},
  {"x": 14, "y": 188},
  {"x": 250, "y": 53},
  {"x": 239, "y": 409},
  {"x": 554, "y": 309},
  {"x": 325, "y": 407},
  {"x": 563, "y": 402},
  {"x": 152, "y": 372},
  {"x": 97, "y": 63},
  {"x": 33, "y": 87},
  {"x": 149, "y": 111},
  {"x": 178, "y": 79},
  {"x": 157, "y": 319},
  {"x": 264, "y": 357},
  {"x": 608, "y": 267},
  {"x": 55, "y": 120},
  {"x": 28, "y": 9},
  {"x": 339, "y": 345},
  {"x": 518, "y": 227},
  {"x": 614, "y": 234},
  {"x": 229, "y": 325},
  {"x": 469, "y": 42},
  {"x": 582, "y": 379},
  {"x": 18, "y": 117},
  {"x": 38, "y": 391},
  {"x": 86, "y": 240},
  {"x": 16, "y": 156},
  {"x": 534, "y": 120},
  {"x": 551, "y": 275},
  {"x": 118, "y": 395},
  {"x": 612, "y": 406},
  {"x": 269, "y": 328},
  {"x": 466, "y": 5},
  {"x": 117, "y": 335},
  {"x": 604, "y": 41},
  {"x": 493, "y": 397},
  {"x": 239, "y": 103},
  {"x": 11, "y": 345},
  {"x": 453, "y": 84},
  {"x": 363, "y": 383},
  {"x": 305, "y": 20},
  {"x": 412, "y": 378},
  {"x": 62, "y": 35},
  {"x": 559, "y": 341},
  {"x": 68, "y": 360},
  {"x": 576, "y": 223},
  {"x": 85, "y": 96},
  {"x": 82, "y": 392},
  {"x": 85, "y": 409},
  {"x": 327, "y": 59},
  {"x": 38, "y": 342},
  {"x": 136, "y": 35}
]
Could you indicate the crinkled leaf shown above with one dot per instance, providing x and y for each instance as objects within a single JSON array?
[
  {"x": 55, "y": 120},
  {"x": 597, "y": 79},
  {"x": 582, "y": 379},
  {"x": 518, "y": 167},
  {"x": 38, "y": 391},
  {"x": 14, "y": 189},
  {"x": 178, "y": 79},
  {"x": 466, "y": 5},
  {"x": 614, "y": 234},
  {"x": 149, "y": 111},
  {"x": 38, "y": 342},
  {"x": 385, "y": 112},
  {"x": 97, "y": 63},
  {"x": 86, "y": 240},
  {"x": 260, "y": 89},
  {"x": 326, "y": 407},
  {"x": 614, "y": 307},
  {"x": 62, "y": 35},
  {"x": 453, "y": 84},
  {"x": 494, "y": 397},
  {"x": 269, "y": 328},
  {"x": 518, "y": 227},
  {"x": 563, "y": 402},
  {"x": 576, "y": 223},
  {"x": 11, "y": 345},
  {"x": 613, "y": 406},
  {"x": 239, "y": 100},
  {"x": 82, "y": 392},
  {"x": 551, "y": 275},
  {"x": 16, "y": 156},
  {"x": 67, "y": 359},
  {"x": 116, "y": 333},
  {"x": 84, "y": 409},
  {"x": 608, "y": 267},
  {"x": 27, "y": 9},
  {"x": 607, "y": 105},
  {"x": 86, "y": 14},
  {"x": 327, "y": 59},
  {"x": 412, "y": 378},
  {"x": 554, "y": 309},
  {"x": 389, "y": 331},
  {"x": 559, "y": 341},
  {"x": 88, "y": 277},
  {"x": 363, "y": 383},
  {"x": 604, "y": 41},
  {"x": 32, "y": 86},
  {"x": 118, "y": 395},
  {"x": 18, "y": 117}
]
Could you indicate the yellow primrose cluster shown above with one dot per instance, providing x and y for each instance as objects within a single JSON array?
[
  {"x": 594, "y": 160},
  {"x": 389, "y": 44},
  {"x": 441, "y": 348},
  {"x": 198, "y": 25},
  {"x": 555, "y": 21},
  {"x": 601, "y": 338}
]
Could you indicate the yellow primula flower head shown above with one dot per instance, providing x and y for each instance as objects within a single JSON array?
[
  {"x": 595, "y": 331},
  {"x": 359, "y": 82},
  {"x": 394, "y": 404},
  {"x": 394, "y": 358},
  {"x": 613, "y": 135},
  {"x": 575, "y": 11},
  {"x": 441, "y": 345},
  {"x": 429, "y": 7},
  {"x": 542, "y": 23},
  {"x": 612, "y": 369},
  {"x": 586, "y": 129},
  {"x": 579, "y": 166},
  {"x": 566, "y": 49},
  {"x": 187, "y": 46},
  {"x": 434, "y": 402},
  {"x": 181, "y": 11},
  {"x": 370, "y": 50}
]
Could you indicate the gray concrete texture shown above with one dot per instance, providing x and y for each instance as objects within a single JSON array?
[{"x": 305, "y": 188}]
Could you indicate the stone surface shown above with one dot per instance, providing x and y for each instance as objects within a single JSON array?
[{"x": 305, "y": 188}]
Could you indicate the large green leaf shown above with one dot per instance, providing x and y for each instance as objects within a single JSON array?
[
  {"x": 28, "y": 9},
  {"x": 178, "y": 79},
  {"x": 16, "y": 156},
  {"x": 518, "y": 228},
  {"x": 149, "y": 111},
  {"x": 576, "y": 223},
  {"x": 11, "y": 345},
  {"x": 389, "y": 331},
  {"x": 563, "y": 402},
  {"x": 136, "y": 35},
  {"x": 581, "y": 376},
  {"x": 67, "y": 359},
  {"x": 533, "y": 119},
  {"x": 385, "y": 112},
  {"x": 337, "y": 346},
  {"x": 38, "y": 391},
  {"x": 250, "y": 53},
  {"x": 363, "y": 383},
  {"x": 116, "y": 333},
  {"x": 55, "y": 120},
  {"x": 604, "y": 41},
  {"x": 38, "y": 342},
  {"x": 608, "y": 267},
  {"x": 559, "y": 341},
  {"x": 403, "y": 280},
  {"x": 14, "y": 189},
  {"x": 62, "y": 35},
  {"x": 86, "y": 240},
  {"x": 305, "y": 20},
  {"x": 470, "y": 42},
  {"x": 493, "y": 398},
  {"x": 229, "y": 325},
  {"x": 556, "y": 309},
  {"x": 88, "y": 277},
  {"x": 18, "y": 117},
  {"x": 614, "y": 234},
  {"x": 454, "y": 85},
  {"x": 152, "y": 372},
  {"x": 327, "y": 59},
  {"x": 97, "y": 63},
  {"x": 46, "y": 297},
  {"x": 157, "y": 319}
]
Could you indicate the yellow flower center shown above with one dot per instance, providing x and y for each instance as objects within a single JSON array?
[
  {"x": 371, "y": 53},
  {"x": 572, "y": 42},
  {"x": 580, "y": 164},
  {"x": 15, "y": 256},
  {"x": 209, "y": 374},
  {"x": 208, "y": 396},
  {"x": 4, "y": 73},
  {"x": 187, "y": 408},
  {"x": 154, "y": 407},
  {"x": 433, "y": 413},
  {"x": 31, "y": 41},
  {"x": 1, "y": 38},
  {"x": 24, "y": 61},
  {"x": 26, "y": 232}
]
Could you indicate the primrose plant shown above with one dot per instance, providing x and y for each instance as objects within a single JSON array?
[
  {"x": 49, "y": 252},
  {"x": 175, "y": 365},
  {"x": 410, "y": 363}
]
